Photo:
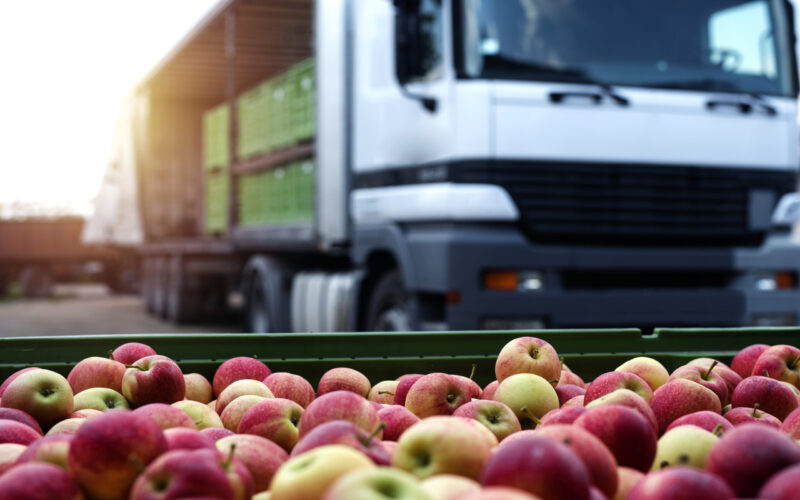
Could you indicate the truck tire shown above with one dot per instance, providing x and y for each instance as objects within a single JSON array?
[
  {"x": 267, "y": 297},
  {"x": 182, "y": 303},
  {"x": 160, "y": 286},
  {"x": 389, "y": 307}
]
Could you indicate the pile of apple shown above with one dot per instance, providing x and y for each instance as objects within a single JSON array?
[{"x": 134, "y": 426}]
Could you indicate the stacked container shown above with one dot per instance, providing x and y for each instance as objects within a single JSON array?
[{"x": 216, "y": 164}]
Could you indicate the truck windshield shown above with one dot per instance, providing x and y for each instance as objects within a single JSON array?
[{"x": 710, "y": 45}]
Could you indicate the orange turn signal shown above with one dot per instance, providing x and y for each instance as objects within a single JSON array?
[
  {"x": 501, "y": 280},
  {"x": 784, "y": 280}
]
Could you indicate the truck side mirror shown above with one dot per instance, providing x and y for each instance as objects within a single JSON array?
[{"x": 413, "y": 47}]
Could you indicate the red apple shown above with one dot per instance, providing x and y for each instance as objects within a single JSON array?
[
  {"x": 568, "y": 377},
  {"x": 153, "y": 379},
  {"x": 166, "y": 416},
  {"x": 730, "y": 377},
  {"x": 679, "y": 483},
  {"x": 541, "y": 466},
  {"x": 383, "y": 392},
  {"x": 216, "y": 433},
  {"x": 744, "y": 415},
  {"x": 182, "y": 438},
  {"x": 96, "y": 372},
  {"x": 791, "y": 425},
  {"x": 705, "y": 377},
  {"x": 343, "y": 379},
  {"x": 436, "y": 394},
  {"x": 771, "y": 396},
  {"x": 275, "y": 419},
  {"x": 261, "y": 456},
  {"x": 85, "y": 413},
  {"x": 628, "y": 434},
  {"x": 66, "y": 426},
  {"x": 13, "y": 376},
  {"x": 472, "y": 387},
  {"x": 43, "y": 394},
  {"x": 9, "y": 454},
  {"x": 488, "y": 391},
  {"x": 494, "y": 415},
  {"x": 706, "y": 420},
  {"x": 404, "y": 384},
  {"x": 680, "y": 397},
  {"x": 781, "y": 362},
  {"x": 599, "y": 462},
  {"x": 131, "y": 352},
  {"x": 51, "y": 449},
  {"x": 611, "y": 381},
  {"x": 390, "y": 447},
  {"x": 627, "y": 480},
  {"x": 347, "y": 434},
  {"x": 234, "y": 412},
  {"x": 782, "y": 486},
  {"x": 288, "y": 386},
  {"x": 198, "y": 388},
  {"x": 21, "y": 417},
  {"x": 564, "y": 415},
  {"x": 749, "y": 455},
  {"x": 107, "y": 452},
  {"x": 528, "y": 355},
  {"x": 566, "y": 392},
  {"x": 339, "y": 405},
  {"x": 649, "y": 369},
  {"x": 745, "y": 360},
  {"x": 449, "y": 487},
  {"x": 630, "y": 399},
  {"x": 237, "y": 369},
  {"x": 15, "y": 432},
  {"x": 38, "y": 481},
  {"x": 397, "y": 419},
  {"x": 500, "y": 493},
  {"x": 239, "y": 388},
  {"x": 576, "y": 401}
]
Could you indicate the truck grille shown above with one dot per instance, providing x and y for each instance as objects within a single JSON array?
[{"x": 638, "y": 205}]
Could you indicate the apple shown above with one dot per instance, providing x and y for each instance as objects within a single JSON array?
[
  {"x": 680, "y": 397},
  {"x": 288, "y": 386},
  {"x": 627, "y": 480},
  {"x": 611, "y": 381},
  {"x": 749, "y": 455},
  {"x": 684, "y": 445},
  {"x": 628, "y": 434},
  {"x": 85, "y": 413},
  {"x": 529, "y": 396},
  {"x": 630, "y": 399},
  {"x": 308, "y": 476},
  {"x": 487, "y": 434},
  {"x": 568, "y": 377},
  {"x": 791, "y": 425},
  {"x": 241, "y": 387},
  {"x": 681, "y": 482},
  {"x": 781, "y": 362},
  {"x": 376, "y": 484},
  {"x": 13, "y": 376},
  {"x": 576, "y": 401},
  {"x": 275, "y": 419},
  {"x": 21, "y": 417},
  {"x": 771, "y": 396},
  {"x": 166, "y": 416},
  {"x": 108, "y": 451},
  {"x": 153, "y": 379},
  {"x": 782, "y": 486},
  {"x": 705, "y": 377},
  {"x": 198, "y": 388},
  {"x": 237, "y": 369},
  {"x": 397, "y": 419},
  {"x": 51, "y": 449},
  {"x": 599, "y": 462},
  {"x": 390, "y": 447},
  {"x": 216, "y": 433},
  {"x": 563, "y": 415},
  {"x": 707, "y": 420},
  {"x": 541, "y": 466},
  {"x": 566, "y": 392},
  {"x": 261, "y": 456},
  {"x": 96, "y": 372},
  {"x": 500, "y": 493},
  {"x": 12, "y": 431},
  {"x": 234, "y": 412},
  {"x": 343, "y": 379},
  {"x": 345, "y": 433},
  {"x": 649, "y": 369},
  {"x": 183, "y": 438},
  {"x": 472, "y": 387},
  {"x": 745, "y": 360},
  {"x": 730, "y": 377},
  {"x": 38, "y": 481},
  {"x": 494, "y": 415},
  {"x": 383, "y": 392},
  {"x": 449, "y": 487},
  {"x": 404, "y": 384},
  {"x": 744, "y": 415},
  {"x": 43, "y": 394},
  {"x": 488, "y": 391},
  {"x": 436, "y": 394},
  {"x": 131, "y": 352},
  {"x": 66, "y": 426},
  {"x": 339, "y": 405},
  {"x": 528, "y": 355},
  {"x": 99, "y": 398},
  {"x": 201, "y": 414},
  {"x": 442, "y": 445},
  {"x": 9, "y": 453}
]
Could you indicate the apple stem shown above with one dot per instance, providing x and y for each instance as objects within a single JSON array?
[
  {"x": 386, "y": 392},
  {"x": 717, "y": 431},
  {"x": 110, "y": 354},
  {"x": 708, "y": 372},
  {"x": 229, "y": 458},
  {"x": 755, "y": 410},
  {"x": 255, "y": 356},
  {"x": 374, "y": 433},
  {"x": 472, "y": 372},
  {"x": 530, "y": 415},
  {"x": 554, "y": 381},
  {"x": 133, "y": 459},
  {"x": 766, "y": 373}
]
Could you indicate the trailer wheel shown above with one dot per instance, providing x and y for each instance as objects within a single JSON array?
[
  {"x": 389, "y": 305},
  {"x": 258, "y": 317},
  {"x": 160, "y": 286},
  {"x": 267, "y": 289},
  {"x": 182, "y": 303}
]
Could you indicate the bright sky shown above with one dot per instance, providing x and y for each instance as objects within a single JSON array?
[{"x": 66, "y": 66}]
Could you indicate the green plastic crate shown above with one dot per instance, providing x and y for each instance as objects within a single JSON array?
[
  {"x": 279, "y": 124},
  {"x": 216, "y": 202},
  {"x": 215, "y": 138},
  {"x": 302, "y": 102}
]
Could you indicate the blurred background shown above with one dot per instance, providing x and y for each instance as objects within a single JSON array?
[{"x": 301, "y": 165}]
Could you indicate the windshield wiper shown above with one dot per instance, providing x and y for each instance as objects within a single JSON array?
[
  {"x": 756, "y": 102},
  {"x": 596, "y": 97}
]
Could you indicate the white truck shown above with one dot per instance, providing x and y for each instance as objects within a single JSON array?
[{"x": 484, "y": 164}]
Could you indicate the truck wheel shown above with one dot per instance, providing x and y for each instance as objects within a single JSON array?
[
  {"x": 182, "y": 304},
  {"x": 267, "y": 290},
  {"x": 389, "y": 306},
  {"x": 258, "y": 317},
  {"x": 160, "y": 287}
]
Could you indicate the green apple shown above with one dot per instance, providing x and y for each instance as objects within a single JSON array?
[
  {"x": 203, "y": 415},
  {"x": 376, "y": 484},
  {"x": 309, "y": 475},
  {"x": 529, "y": 396},
  {"x": 684, "y": 445},
  {"x": 43, "y": 394},
  {"x": 100, "y": 398},
  {"x": 649, "y": 369}
]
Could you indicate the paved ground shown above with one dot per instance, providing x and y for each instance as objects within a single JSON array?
[{"x": 87, "y": 310}]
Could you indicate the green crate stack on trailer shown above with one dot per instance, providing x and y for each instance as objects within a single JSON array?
[
  {"x": 215, "y": 162},
  {"x": 279, "y": 128},
  {"x": 216, "y": 206},
  {"x": 301, "y": 77}
]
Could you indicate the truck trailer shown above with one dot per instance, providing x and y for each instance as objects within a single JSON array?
[{"x": 344, "y": 165}]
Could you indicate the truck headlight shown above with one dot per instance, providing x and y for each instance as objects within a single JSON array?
[{"x": 787, "y": 211}]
